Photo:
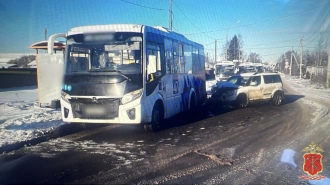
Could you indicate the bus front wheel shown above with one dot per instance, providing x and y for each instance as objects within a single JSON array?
[{"x": 156, "y": 119}]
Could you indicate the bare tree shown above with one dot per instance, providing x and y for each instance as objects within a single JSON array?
[{"x": 233, "y": 48}]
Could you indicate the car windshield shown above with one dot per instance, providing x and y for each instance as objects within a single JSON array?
[{"x": 238, "y": 80}]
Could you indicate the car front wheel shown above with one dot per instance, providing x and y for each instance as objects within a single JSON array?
[{"x": 242, "y": 101}]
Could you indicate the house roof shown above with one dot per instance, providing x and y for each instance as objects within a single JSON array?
[{"x": 44, "y": 45}]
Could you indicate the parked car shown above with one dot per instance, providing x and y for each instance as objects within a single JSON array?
[{"x": 245, "y": 88}]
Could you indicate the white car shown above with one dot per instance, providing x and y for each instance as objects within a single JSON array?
[{"x": 242, "y": 89}]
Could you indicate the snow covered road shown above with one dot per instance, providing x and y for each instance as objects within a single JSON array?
[{"x": 229, "y": 147}]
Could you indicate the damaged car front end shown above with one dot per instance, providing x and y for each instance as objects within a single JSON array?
[{"x": 225, "y": 93}]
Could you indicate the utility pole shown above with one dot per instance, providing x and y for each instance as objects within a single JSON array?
[
  {"x": 302, "y": 50},
  {"x": 45, "y": 32},
  {"x": 239, "y": 54},
  {"x": 281, "y": 62},
  {"x": 291, "y": 62},
  {"x": 207, "y": 59},
  {"x": 170, "y": 12},
  {"x": 226, "y": 44},
  {"x": 234, "y": 50},
  {"x": 328, "y": 72},
  {"x": 215, "y": 61}
]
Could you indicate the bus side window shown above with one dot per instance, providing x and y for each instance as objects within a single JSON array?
[
  {"x": 188, "y": 58},
  {"x": 168, "y": 55},
  {"x": 154, "y": 62},
  {"x": 195, "y": 61}
]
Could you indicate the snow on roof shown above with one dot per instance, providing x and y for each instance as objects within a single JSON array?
[
  {"x": 33, "y": 63},
  {"x": 105, "y": 28}
]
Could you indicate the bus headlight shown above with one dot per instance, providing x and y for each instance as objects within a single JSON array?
[
  {"x": 65, "y": 96},
  {"x": 131, "y": 96}
]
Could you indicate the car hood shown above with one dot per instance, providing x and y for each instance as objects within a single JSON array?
[{"x": 227, "y": 84}]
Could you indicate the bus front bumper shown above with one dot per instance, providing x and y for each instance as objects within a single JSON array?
[{"x": 129, "y": 113}]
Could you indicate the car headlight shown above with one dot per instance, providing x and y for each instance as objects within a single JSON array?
[
  {"x": 65, "y": 96},
  {"x": 231, "y": 93},
  {"x": 220, "y": 75},
  {"x": 131, "y": 96}
]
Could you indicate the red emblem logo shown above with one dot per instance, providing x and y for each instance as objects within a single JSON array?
[{"x": 312, "y": 162}]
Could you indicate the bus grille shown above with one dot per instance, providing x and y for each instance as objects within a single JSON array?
[{"x": 103, "y": 108}]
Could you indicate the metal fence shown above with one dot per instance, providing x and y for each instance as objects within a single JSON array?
[
  {"x": 316, "y": 71},
  {"x": 18, "y": 77}
]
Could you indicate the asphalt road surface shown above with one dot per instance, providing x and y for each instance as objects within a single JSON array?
[{"x": 210, "y": 147}]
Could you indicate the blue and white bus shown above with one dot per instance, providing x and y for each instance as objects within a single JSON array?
[
  {"x": 246, "y": 67},
  {"x": 224, "y": 70},
  {"x": 130, "y": 74}
]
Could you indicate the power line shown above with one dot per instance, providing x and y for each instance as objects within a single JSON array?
[
  {"x": 190, "y": 20},
  {"x": 261, "y": 21},
  {"x": 270, "y": 47},
  {"x": 176, "y": 30},
  {"x": 276, "y": 42},
  {"x": 141, "y": 5},
  {"x": 209, "y": 44},
  {"x": 319, "y": 25},
  {"x": 269, "y": 54},
  {"x": 318, "y": 28}
]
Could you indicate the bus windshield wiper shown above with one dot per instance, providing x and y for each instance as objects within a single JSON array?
[{"x": 112, "y": 70}]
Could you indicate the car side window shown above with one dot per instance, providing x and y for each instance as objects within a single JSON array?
[
  {"x": 277, "y": 79},
  {"x": 256, "y": 79},
  {"x": 268, "y": 79}
]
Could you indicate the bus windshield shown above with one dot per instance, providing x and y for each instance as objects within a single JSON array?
[
  {"x": 224, "y": 69},
  {"x": 247, "y": 68},
  {"x": 259, "y": 68},
  {"x": 98, "y": 55}
]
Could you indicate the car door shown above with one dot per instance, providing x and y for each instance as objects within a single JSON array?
[
  {"x": 255, "y": 90},
  {"x": 268, "y": 86}
]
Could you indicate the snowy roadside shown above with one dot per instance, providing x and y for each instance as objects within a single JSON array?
[
  {"x": 305, "y": 87},
  {"x": 20, "y": 117}
]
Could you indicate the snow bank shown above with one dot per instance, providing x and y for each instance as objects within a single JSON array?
[
  {"x": 20, "y": 117},
  {"x": 28, "y": 94},
  {"x": 305, "y": 87}
]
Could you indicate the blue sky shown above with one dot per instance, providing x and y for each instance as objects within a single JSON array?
[{"x": 268, "y": 27}]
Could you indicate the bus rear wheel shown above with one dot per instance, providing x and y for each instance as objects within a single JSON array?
[
  {"x": 156, "y": 119},
  {"x": 192, "y": 107}
]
